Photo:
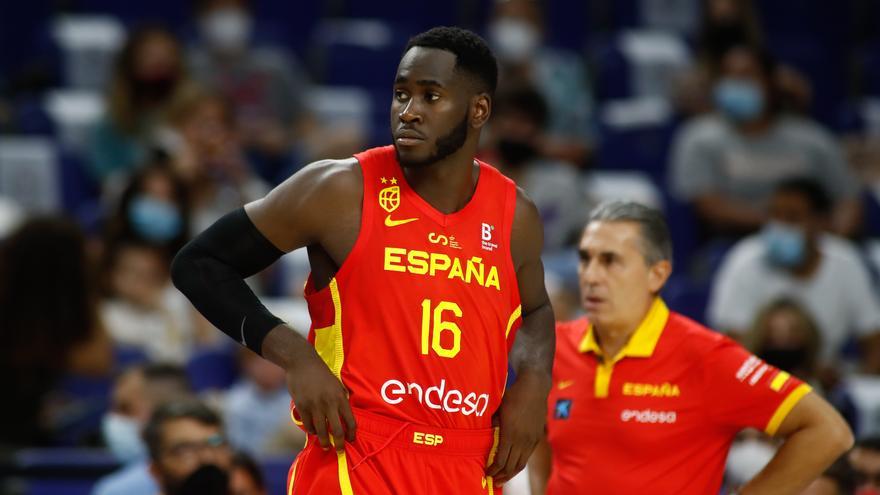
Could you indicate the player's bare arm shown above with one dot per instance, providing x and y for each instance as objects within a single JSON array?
[
  {"x": 523, "y": 409},
  {"x": 814, "y": 436},
  {"x": 319, "y": 208}
]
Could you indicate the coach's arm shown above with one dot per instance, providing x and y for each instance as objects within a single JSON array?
[
  {"x": 814, "y": 437},
  {"x": 540, "y": 465},
  {"x": 523, "y": 410}
]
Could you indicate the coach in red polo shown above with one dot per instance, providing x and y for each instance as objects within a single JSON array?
[{"x": 646, "y": 401}]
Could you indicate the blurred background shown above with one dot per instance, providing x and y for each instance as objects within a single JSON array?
[{"x": 128, "y": 127}]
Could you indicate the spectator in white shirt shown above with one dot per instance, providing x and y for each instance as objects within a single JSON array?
[{"x": 792, "y": 257}]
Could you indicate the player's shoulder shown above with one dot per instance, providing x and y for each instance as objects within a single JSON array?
[{"x": 333, "y": 177}]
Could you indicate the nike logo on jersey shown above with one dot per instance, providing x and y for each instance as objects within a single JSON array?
[
  {"x": 394, "y": 223},
  {"x": 565, "y": 384}
]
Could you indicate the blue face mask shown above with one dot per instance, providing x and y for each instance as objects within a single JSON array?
[
  {"x": 739, "y": 100},
  {"x": 123, "y": 437},
  {"x": 155, "y": 220},
  {"x": 786, "y": 245}
]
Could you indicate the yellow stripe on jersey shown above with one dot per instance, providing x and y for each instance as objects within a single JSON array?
[
  {"x": 292, "y": 477},
  {"x": 295, "y": 421},
  {"x": 513, "y": 316},
  {"x": 344, "y": 480},
  {"x": 787, "y": 405},
  {"x": 779, "y": 381},
  {"x": 328, "y": 340},
  {"x": 492, "y": 452}
]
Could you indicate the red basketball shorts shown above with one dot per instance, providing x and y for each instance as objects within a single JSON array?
[{"x": 391, "y": 457}]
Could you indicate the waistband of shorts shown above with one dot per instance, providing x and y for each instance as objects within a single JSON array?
[{"x": 425, "y": 438}]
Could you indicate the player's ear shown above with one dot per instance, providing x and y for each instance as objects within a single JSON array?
[
  {"x": 658, "y": 274},
  {"x": 481, "y": 109}
]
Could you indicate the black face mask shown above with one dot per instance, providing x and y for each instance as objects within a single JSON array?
[
  {"x": 515, "y": 153},
  {"x": 786, "y": 359},
  {"x": 155, "y": 89},
  {"x": 206, "y": 480},
  {"x": 723, "y": 36}
]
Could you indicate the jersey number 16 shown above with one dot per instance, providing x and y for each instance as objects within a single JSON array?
[{"x": 433, "y": 328}]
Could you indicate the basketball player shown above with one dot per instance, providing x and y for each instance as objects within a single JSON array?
[{"x": 426, "y": 282}]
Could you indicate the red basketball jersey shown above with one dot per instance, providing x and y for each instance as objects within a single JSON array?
[{"x": 418, "y": 321}]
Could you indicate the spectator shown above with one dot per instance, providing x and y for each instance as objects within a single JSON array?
[
  {"x": 726, "y": 163},
  {"x": 188, "y": 450},
  {"x": 515, "y": 32},
  {"x": 210, "y": 159},
  {"x": 793, "y": 258},
  {"x": 137, "y": 392},
  {"x": 257, "y": 409},
  {"x": 785, "y": 336},
  {"x": 246, "y": 477},
  {"x": 864, "y": 459},
  {"x": 266, "y": 86},
  {"x": 836, "y": 480},
  {"x": 143, "y": 310},
  {"x": 726, "y": 24},
  {"x": 520, "y": 116},
  {"x": 50, "y": 325},
  {"x": 149, "y": 75},
  {"x": 153, "y": 208}
]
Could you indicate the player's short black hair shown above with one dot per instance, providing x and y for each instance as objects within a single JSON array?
[
  {"x": 472, "y": 53},
  {"x": 811, "y": 190},
  {"x": 523, "y": 99},
  {"x": 170, "y": 411}
]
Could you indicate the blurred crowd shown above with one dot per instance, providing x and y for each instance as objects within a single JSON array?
[{"x": 753, "y": 124}]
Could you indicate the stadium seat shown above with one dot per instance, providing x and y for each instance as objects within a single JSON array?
[
  {"x": 358, "y": 52},
  {"x": 419, "y": 15},
  {"x": 169, "y": 12},
  {"x": 81, "y": 402},
  {"x": 635, "y": 134},
  {"x": 637, "y": 63},
  {"x": 71, "y": 471},
  {"x": 821, "y": 64},
  {"x": 212, "y": 368},
  {"x": 88, "y": 44},
  {"x": 686, "y": 297},
  {"x": 127, "y": 356},
  {"x": 30, "y": 172}
]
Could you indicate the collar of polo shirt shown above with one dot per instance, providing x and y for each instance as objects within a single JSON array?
[{"x": 641, "y": 344}]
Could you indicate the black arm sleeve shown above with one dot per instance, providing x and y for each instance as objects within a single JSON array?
[{"x": 210, "y": 270}]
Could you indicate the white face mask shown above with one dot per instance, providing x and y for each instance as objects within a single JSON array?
[
  {"x": 122, "y": 435},
  {"x": 226, "y": 29},
  {"x": 514, "y": 40},
  {"x": 747, "y": 458}
]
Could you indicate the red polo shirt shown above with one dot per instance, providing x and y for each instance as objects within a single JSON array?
[{"x": 660, "y": 416}]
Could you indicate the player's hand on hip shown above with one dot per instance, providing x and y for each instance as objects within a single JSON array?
[
  {"x": 321, "y": 401},
  {"x": 521, "y": 420}
]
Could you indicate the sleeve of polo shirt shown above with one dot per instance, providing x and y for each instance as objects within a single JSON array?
[{"x": 743, "y": 391}]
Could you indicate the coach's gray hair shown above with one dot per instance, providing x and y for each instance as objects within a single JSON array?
[{"x": 656, "y": 242}]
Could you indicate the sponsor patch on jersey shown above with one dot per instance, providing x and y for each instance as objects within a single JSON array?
[{"x": 562, "y": 410}]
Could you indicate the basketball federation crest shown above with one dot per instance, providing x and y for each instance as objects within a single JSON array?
[{"x": 389, "y": 198}]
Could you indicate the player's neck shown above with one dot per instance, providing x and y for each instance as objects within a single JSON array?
[{"x": 448, "y": 184}]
